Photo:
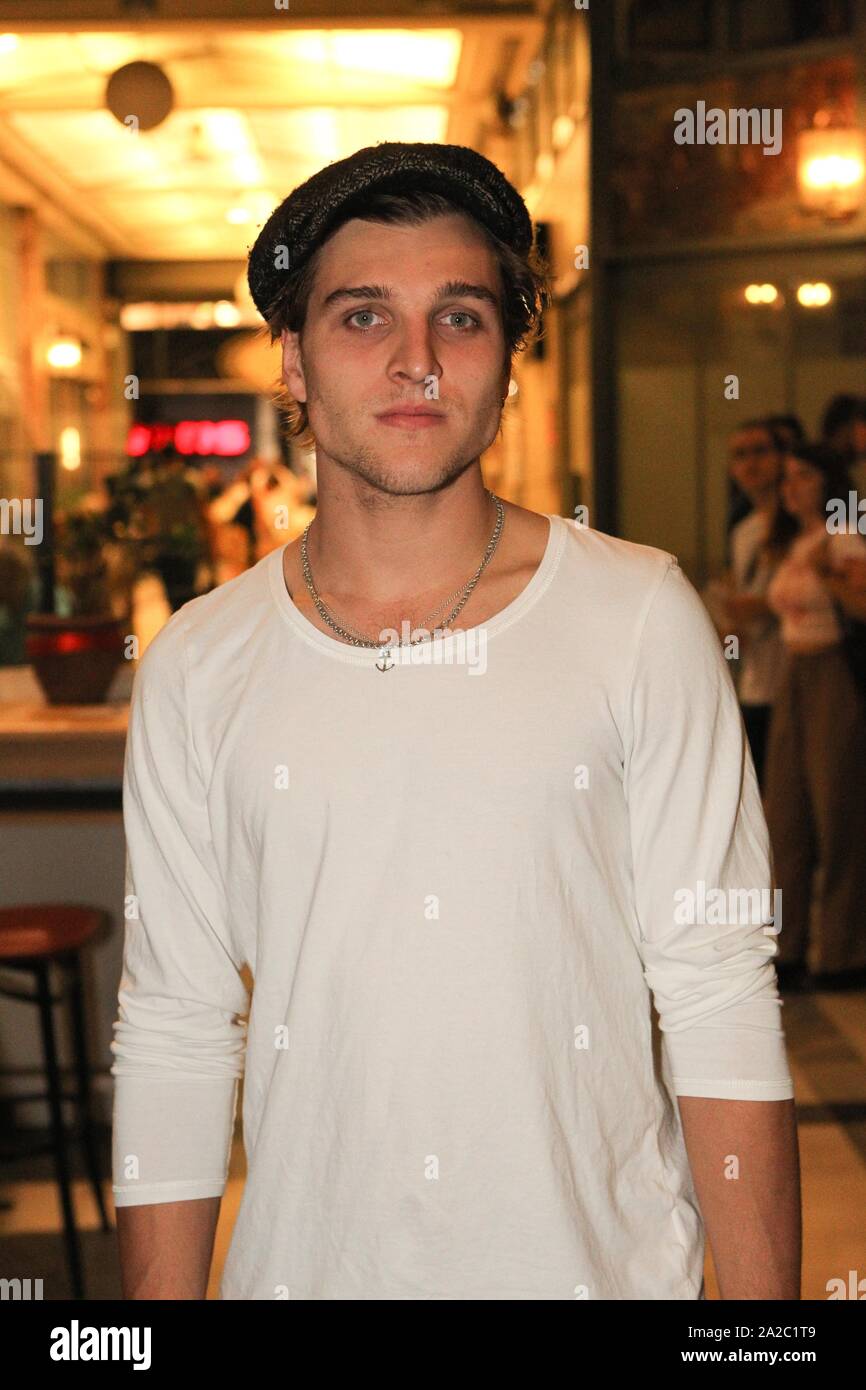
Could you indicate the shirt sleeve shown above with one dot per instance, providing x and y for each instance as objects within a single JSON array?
[
  {"x": 180, "y": 1035},
  {"x": 701, "y": 859}
]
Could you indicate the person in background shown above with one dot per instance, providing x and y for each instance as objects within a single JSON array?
[
  {"x": 738, "y": 507},
  {"x": 847, "y": 426},
  {"x": 230, "y": 518},
  {"x": 756, "y": 457},
  {"x": 268, "y": 503},
  {"x": 211, "y": 479},
  {"x": 843, "y": 427},
  {"x": 786, "y": 431},
  {"x": 814, "y": 804},
  {"x": 280, "y": 507},
  {"x": 857, "y": 466},
  {"x": 788, "y": 428}
]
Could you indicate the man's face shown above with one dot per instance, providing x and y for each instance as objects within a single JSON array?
[
  {"x": 755, "y": 462},
  {"x": 402, "y": 337}
]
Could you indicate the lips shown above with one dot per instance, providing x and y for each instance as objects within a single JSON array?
[
  {"x": 411, "y": 418},
  {"x": 415, "y": 411}
]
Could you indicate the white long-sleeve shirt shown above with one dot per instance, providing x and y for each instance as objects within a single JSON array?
[{"x": 457, "y": 886}]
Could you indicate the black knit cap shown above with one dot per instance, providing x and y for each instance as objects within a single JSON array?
[{"x": 304, "y": 219}]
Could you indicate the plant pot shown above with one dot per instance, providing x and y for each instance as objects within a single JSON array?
[{"x": 75, "y": 658}]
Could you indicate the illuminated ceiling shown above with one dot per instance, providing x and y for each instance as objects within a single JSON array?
[{"x": 255, "y": 113}]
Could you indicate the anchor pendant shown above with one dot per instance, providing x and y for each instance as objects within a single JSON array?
[{"x": 385, "y": 663}]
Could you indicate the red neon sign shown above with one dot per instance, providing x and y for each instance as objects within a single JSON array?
[{"x": 225, "y": 438}]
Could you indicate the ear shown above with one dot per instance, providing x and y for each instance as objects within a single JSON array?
[{"x": 293, "y": 367}]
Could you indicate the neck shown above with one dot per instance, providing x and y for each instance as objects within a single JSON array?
[
  {"x": 765, "y": 501},
  {"x": 386, "y": 549}
]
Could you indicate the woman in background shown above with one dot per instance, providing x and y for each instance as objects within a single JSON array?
[{"x": 816, "y": 755}]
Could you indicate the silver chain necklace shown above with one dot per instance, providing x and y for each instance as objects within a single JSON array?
[{"x": 359, "y": 639}]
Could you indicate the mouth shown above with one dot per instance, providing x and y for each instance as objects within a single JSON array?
[{"x": 411, "y": 417}]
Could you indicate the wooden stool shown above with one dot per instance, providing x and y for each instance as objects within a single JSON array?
[{"x": 33, "y": 938}]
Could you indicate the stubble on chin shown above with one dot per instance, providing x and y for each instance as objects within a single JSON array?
[{"x": 416, "y": 472}]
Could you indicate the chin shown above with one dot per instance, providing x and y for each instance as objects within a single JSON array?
[
  {"x": 401, "y": 471},
  {"x": 411, "y": 483}
]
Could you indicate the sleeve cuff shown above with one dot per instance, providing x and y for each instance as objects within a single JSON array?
[
  {"x": 147, "y": 1194},
  {"x": 734, "y": 1090},
  {"x": 737, "y": 1054},
  {"x": 171, "y": 1137}
]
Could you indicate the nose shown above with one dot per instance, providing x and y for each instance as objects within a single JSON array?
[{"x": 413, "y": 360}]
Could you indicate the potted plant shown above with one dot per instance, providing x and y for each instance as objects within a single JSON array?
[
  {"x": 153, "y": 520},
  {"x": 75, "y": 653}
]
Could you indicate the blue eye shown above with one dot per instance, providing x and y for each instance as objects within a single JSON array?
[
  {"x": 361, "y": 311},
  {"x": 464, "y": 313}
]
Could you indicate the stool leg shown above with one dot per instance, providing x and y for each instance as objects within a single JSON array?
[
  {"x": 82, "y": 1071},
  {"x": 73, "y": 1254}
]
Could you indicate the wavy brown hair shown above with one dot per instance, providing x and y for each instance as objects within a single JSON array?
[{"x": 524, "y": 288}]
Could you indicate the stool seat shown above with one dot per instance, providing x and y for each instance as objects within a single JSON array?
[{"x": 46, "y": 929}]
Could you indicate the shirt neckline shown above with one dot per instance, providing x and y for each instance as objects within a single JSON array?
[{"x": 362, "y": 656}]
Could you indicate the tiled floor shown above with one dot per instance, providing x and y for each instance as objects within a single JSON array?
[{"x": 827, "y": 1049}]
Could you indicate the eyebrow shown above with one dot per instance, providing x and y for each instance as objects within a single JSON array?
[{"x": 452, "y": 289}]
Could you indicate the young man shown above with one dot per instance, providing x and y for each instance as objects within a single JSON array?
[{"x": 459, "y": 881}]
